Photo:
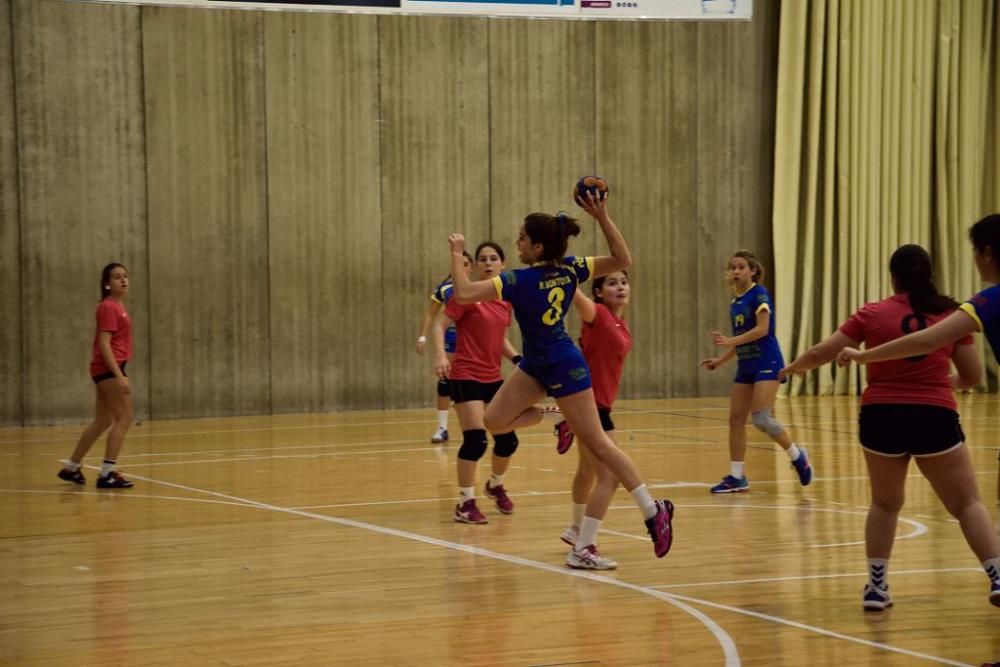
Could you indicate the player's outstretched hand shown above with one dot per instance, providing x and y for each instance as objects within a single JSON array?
[
  {"x": 457, "y": 243},
  {"x": 847, "y": 355}
]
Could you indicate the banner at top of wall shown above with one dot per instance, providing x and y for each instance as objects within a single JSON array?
[{"x": 566, "y": 9}]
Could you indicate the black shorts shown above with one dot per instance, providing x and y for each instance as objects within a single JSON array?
[
  {"x": 107, "y": 376},
  {"x": 463, "y": 391},
  {"x": 902, "y": 429},
  {"x": 605, "y": 415}
]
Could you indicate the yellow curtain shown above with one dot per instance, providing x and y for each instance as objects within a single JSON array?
[{"x": 886, "y": 133}]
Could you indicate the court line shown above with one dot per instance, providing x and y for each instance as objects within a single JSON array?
[
  {"x": 725, "y": 641},
  {"x": 812, "y": 576}
]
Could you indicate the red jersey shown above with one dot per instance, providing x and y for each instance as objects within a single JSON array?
[
  {"x": 482, "y": 328},
  {"x": 111, "y": 316},
  {"x": 922, "y": 380},
  {"x": 605, "y": 342}
]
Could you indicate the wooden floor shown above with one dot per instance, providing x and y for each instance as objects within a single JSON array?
[{"x": 328, "y": 540}]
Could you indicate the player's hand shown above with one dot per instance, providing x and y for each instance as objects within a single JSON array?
[
  {"x": 847, "y": 355},
  {"x": 124, "y": 387},
  {"x": 721, "y": 341},
  {"x": 595, "y": 206},
  {"x": 711, "y": 364},
  {"x": 457, "y": 243},
  {"x": 421, "y": 345},
  {"x": 787, "y": 372},
  {"x": 442, "y": 367}
]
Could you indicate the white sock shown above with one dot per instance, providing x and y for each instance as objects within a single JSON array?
[
  {"x": 992, "y": 567},
  {"x": 793, "y": 452},
  {"x": 443, "y": 419},
  {"x": 736, "y": 469},
  {"x": 466, "y": 493},
  {"x": 644, "y": 500},
  {"x": 495, "y": 480},
  {"x": 878, "y": 571},
  {"x": 107, "y": 467},
  {"x": 73, "y": 466},
  {"x": 578, "y": 510},
  {"x": 588, "y": 532}
]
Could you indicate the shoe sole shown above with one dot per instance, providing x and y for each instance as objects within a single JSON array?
[
  {"x": 740, "y": 490},
  {"x": 592, "y": 569},
  {"x": 876, "y": 606},
  {"x": 470, "y": 522}
]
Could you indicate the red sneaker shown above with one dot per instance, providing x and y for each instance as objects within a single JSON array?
[
  {"x": 660, "y": 528},
  {"x": 499, "y": 496},
  {"x": 467, "y": 512},
  {"x": 564, "y": 437}
]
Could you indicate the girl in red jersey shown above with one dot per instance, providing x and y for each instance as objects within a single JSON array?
[
  {"x": 605, "y": 341},
  {"x": 439, "y": 297},
  {"x": 111, "y": 351},
  {"x": 473, "y": 375},
  {"x": 909, "y": 410}
]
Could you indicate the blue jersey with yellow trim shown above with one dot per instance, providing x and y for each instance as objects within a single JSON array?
[
  {"x": 984, "y": 308},
  {"x": 743, "y": 314},
  {"x": 541, "y": 295},
  {"x": 441, "y": 294}
]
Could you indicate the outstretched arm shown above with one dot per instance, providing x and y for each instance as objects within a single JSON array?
[
  {"x": 821, "y": 353},
  {"x": 467, "y": 291},
  {"x": 621, "y": 256},
  {"x": 927, "y": 340}
]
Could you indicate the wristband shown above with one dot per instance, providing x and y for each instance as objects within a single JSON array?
[
  {"x": 421, "y": 339},
  {"x": 516, "y": 359}
]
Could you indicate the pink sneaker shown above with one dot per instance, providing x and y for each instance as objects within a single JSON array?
[
  {"x": 467, "y": 512},
  {"x": 564, "y": 437},
  {"x": 589, "y": 558},
  {"x": 499, "y": 496},
  {"x": 660, "y": 528}
]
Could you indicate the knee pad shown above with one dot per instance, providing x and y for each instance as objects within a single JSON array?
[
  {"x": 763, "y": 420},
  {"x": 474, "y": 445},
  {"x": 505, "y": 444},
  {"x": 444, "y": 391}
]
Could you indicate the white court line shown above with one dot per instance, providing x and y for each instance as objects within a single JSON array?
[
  {"x": 814, "y": 576},
  {"x": 725, "y": 641}
]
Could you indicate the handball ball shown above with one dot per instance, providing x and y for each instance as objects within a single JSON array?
[{"x": 595, "y": 185}]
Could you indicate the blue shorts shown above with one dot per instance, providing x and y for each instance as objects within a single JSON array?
[
  {"x": 754, "y": 374},
  {"x": 450, "y": 336},
  {"x": 565, "y": 377}
]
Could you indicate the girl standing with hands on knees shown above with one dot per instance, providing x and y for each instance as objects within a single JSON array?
[
  {"x": 759, "y": 360},
  {"x": 112, "y": 350},
  {"x": 540, "y": 294}
]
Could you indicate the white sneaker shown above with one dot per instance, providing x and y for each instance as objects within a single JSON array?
[
  {"x": 440, "y": 435},
  {"x": 570, "y": 535},
  {"x": 589, "y": 558}
]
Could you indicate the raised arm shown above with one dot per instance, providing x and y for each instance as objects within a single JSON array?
[
  {"x": 948, "y": 330},
  {"x": 467, "y": 291},
  {"x": 585, "y": 306},
  {"x": 621, "y": 257}
]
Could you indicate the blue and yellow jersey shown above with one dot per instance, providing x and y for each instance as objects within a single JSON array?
[
  {"x": 984, "y": 308},
  {"x": 743, "y": 313},
  {"x": 541, "y": 295},
  {"x": 440, "y": 295}
]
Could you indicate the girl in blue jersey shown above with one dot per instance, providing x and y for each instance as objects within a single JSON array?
[
  {"x": 980, "y": 313},
  {"x": 439, "y": 297},
  {"x": 541, "y": 294},
  {"x": 756, "y": 383}
]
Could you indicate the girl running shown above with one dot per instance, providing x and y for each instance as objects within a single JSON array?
[
  {"x": 756, "y": 383},
  {"x": 438, "y": 298},
  {"x": 552, "y": 364},
  {"x": 473, "y": 374},
  {"x": 908, "y": 410},
  {"x": 605, "y": 341},
  {"x": 112, "y": 350}
]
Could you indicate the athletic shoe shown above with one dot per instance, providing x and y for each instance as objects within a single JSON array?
[
  {"x": 113, "y": 480},
  {"x": 660, "y": 527},
  {"x": 499, "y": 496},
  {"x": 564, "y": 437},
  {"x": 570, "y": 535},
  {"x": 589, "y": 558},
  {"x": 75, "y": 476},
  {"x": 802, "y": 467},
  {"x": 875, "y": 599},
  {"x": 467, "y": 512},
  {"x": 730, "y": 484},
  {"x": 995, "y": 594},
  {"x": 440, "y": 435}
]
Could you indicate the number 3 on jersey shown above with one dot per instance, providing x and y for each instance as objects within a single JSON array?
[{"x": 554, "y": 313}]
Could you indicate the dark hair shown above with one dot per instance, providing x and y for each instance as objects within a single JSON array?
[
  {"x": 472, "y": 262},
  {"x": 552, "y": 231},
  {"x": 752, "y": 262},
  {"x": 598, "y": 283},
  {"x": 911, "y": 267},
  {"x": 986, "y": 234},
  {"x": 490, "y": 244},
  {"x": 106, "y": 277}
]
